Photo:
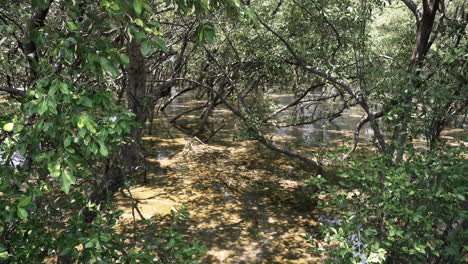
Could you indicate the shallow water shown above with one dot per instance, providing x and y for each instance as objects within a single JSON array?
[{"x": 247, "y": 204}]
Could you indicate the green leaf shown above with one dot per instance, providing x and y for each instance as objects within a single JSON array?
[
  {"x": 54, "y": 169},
  {"x": 42, "y": 107},
  {"x": 138, "y": 22},
  {"x": 80, "y": 123},
  {"x": 39, "y": 3},
  {"x": 89, "y": 124},
  {"x": 209, "y": 33},
  {"x": 68, "y": 56},
  {"x": 145, "y": 48},
  {"x": 161, "y": 44},
  {"x": 67, "y": 141},
  {"x": 53, "y": 88},
  {"x": 91, "y": 243},
  {"x": 124, "y": 58},
  {"x": 8, "y": 127},
  {"x": 24, "y": 201},
  {"x": 4, "y": 255},
  {"x": 206, "y": 34},
  {"x": 170, "y": 245},
  {"x": 72, "y": 26},
  {"x": 63, "y": 88},
  {"x": 22, "y": 213},
  {"x": 458, "y": 196},
  {"x": 70, "y": 149},
  {"x": 103, "y": 150},
  {"x": 137, "y": 6},
  {"x": 86, "y": 101},
  {"x": 106, "y": 237},
  {"x": 52, "y": 106},
  {"x": 148, "y": 8},
  {"x": 66, "y": 181},
  {"x": 94, "y": 149}
]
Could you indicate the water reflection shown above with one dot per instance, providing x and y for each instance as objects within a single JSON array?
[
  {"x": 319, "y": 134},
  {"x": 16, "y": 159},
  {"x": 247, "y": 204}
]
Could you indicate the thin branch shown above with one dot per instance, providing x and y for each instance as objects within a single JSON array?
[
  {"x": 163, "y": 11},
  {"x": 297, "y": 101},
  {"x": 412, "y": 7},
  {"x": 357, "y": 131},
  {"x": 13, "y": 91},
  {"x": 358, "y": 97},
  {"x": 280, "y": 2},
  {"x": 174, "y": 119},
  {"x": 4, "y": 17},
  {"x": 261, "y": 138},
  {"x": 307, "y": 67},
  {"x": 325, "y": 18},
  {"x": 330, "y": 117},
  {"x": 186, "y": 90}
]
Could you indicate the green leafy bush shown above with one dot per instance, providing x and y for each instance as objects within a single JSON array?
[{"x": 410, "y": 213}]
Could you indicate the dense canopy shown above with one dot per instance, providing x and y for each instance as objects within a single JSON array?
[{"x": 362, "y": 101}]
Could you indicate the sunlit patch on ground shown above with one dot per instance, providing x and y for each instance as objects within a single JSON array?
[
  {"x": 247, "y": 204},
  {"x": 241, "y": 199}
]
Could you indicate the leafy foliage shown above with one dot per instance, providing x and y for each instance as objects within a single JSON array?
[
  {"x": 66, "y": 66},
  {"x": 60, "y": 138},
  {"x": 408, "y": 213}
]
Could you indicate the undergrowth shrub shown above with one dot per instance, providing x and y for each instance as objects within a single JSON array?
[
  {"x": 101, "y": 242},
  {"x": 382, "y": 213}
]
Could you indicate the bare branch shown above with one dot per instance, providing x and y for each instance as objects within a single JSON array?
[
  {"x": 175, "y": 96},
  {"x": 358, "y": 97},
  {"x": 412, "y": 7},
  {"x": 359, "y": 126},
  {"x": 297, "y": 101},
  {"x": 307, "y": 67},
  {"x": 13, "y": 91},
  {"x": 4, "y": 17},
  {"x": 328, "y": 117},
  {"x": 261, "y": 138},
  {"x": 163, "y": 11},
  {"x": 280, "y": 2}
]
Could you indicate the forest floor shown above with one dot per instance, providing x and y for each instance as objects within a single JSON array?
[{"x": 246, "y": 205}]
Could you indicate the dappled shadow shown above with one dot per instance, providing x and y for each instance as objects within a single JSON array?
[{"x": 246, "y": 204}]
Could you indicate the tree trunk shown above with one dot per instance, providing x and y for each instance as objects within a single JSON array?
[
  {"x": 425, "y": 24},
  {"x": 36, "y": 21},
  {"x": 129, "y": 156},
  {"x": 136, "y": 88}
]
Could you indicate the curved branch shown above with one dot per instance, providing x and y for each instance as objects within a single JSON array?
[
  {"x": 280, "y": 2},
  {"x": 413, "y": 7},
  {"x": 359, "y": 126},
  {"x": 186, "y": 90},
  {"x": 307, "y": 67},
  {"x": 297, "y": 101},
  {"x": 13, "y": 91},
  {"x": 36, "y": 21},
  {"x": 329, "y": 117},
  {"x": 358, "y": 97},
  {"x": 267, "y": 143}
]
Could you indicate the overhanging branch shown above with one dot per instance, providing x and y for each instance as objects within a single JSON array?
[{"x": 13, "y": 91}]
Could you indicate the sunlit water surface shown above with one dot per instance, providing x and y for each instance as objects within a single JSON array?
[{"x": 247, "y": 204}]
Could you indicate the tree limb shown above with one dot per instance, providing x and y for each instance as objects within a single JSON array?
[
  {"x": 359, "y": 126},
  {"x": 297, "y": 101},
  {"x": 13, "y": 91},
  {"x": 412, "y": 7},
  {"x": 358, "y": 97}
]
